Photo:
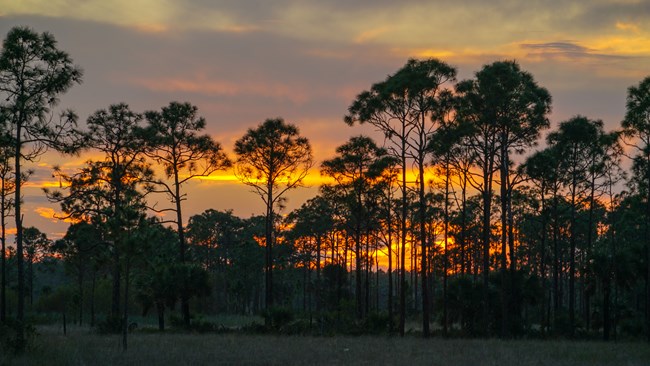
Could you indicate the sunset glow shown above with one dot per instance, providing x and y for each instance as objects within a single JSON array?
[{"x": 241, "y": 64}]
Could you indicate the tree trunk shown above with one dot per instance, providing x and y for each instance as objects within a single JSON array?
[
  {"x": 463, "y": 222},
  {"x": 423, "y": 254},
  {"x": 81, "y": 296},
  {"x": 445, "y": 320},
  {"x": 402, "y": 290},
  {"x": 572, "y": 260},
  {"x": 269, "y": 247},
  {"x": 92, "y": 301},
  {"x": 160, "y": 307},
  {"x": 647, "y": 243},
  {"x": 487, "y": 202},
  {"x": 606, "y": 306},
  {"x": 19, "y": 241},
  {"x": 556, "y": 262},
  {"x": 30, "y": 269},
  {"x": 542, "y": 260},
  {"x": 185, "y": 301},
  {"x": 125, "y": 319},
  {"x": 391, "y": 325},
  {"x": 504, "y": 237},
  {"x": 368, "y": 270},
  {"x": 115, "y": 304},
  {"x": 3, "y": 254}
]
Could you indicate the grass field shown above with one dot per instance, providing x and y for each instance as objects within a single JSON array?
[{"x": 81, "y": 347}]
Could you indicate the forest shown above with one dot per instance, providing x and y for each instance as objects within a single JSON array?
[{"x": 473, "y": 217}]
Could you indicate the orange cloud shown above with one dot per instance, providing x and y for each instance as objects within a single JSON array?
[
  {"x": 45, "y": 184},
  {"x": 295, "y": 94},
  {"x": 50, "y": 214},
  {"x": 433, "y": 53}
]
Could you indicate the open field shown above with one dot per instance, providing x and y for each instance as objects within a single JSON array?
[{"x": 81, "y": 347}]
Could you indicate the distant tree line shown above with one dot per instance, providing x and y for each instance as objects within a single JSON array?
[{"x": 459, "y": 220}]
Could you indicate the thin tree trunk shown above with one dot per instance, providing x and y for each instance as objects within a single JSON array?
[
  {"x": 81, "y": 297},
  {"x": 487, "y": 202},
  {"x": 391, "y": 325},
  {"x": 269, "y": 247},
  {"x": 402, "y": 290},
  {"x": 463, "y": 223},
  {"x": 3, "y": 238},
  {"x": 504, "y": 237},
  {"x": 92, "y": 301},
  {"x": 160, "y": 307},
  {"x": 572, "y": 259},
  {"x": 185, "y": 301},
  {"x": 125, "y": 319},
  {"x": 19, "y": 240},
  {"x": 556, "y": 262},
  {"x": 368, "y": 270},
  {"x": 423, "y": 254},
  {"x": 542, "y": 260},
  {"x": 115, "y": 304},
  {"x": 647, "y": 243},
  {"x": 30, "y": 269},
  {"x": 445, "y": 315}
]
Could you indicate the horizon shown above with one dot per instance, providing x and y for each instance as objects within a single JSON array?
[{"x": 240, "y": 64}]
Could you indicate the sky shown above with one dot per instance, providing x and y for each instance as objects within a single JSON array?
[{"x": 243, "y": 61}]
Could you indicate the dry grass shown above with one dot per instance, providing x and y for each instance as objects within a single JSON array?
[{"x": 81, "y": 347}]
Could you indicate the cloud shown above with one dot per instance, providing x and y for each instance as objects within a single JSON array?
[
  {"x": 243, "y": 61},
  {"x": 371, "y": 34},
  {"x": 52, "y": 215},
  {"x": 557, "y": 47},
  {"x": 48, "y": 213},
  {"x": 566, "y": 50},
  {"x": 632, "y": 27},
  {"x": 201, "y": 85}
]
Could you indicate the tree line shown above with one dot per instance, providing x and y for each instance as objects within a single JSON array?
[{"x": 458, "y": 219}]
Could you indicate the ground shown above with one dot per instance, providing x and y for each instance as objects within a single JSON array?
[{"x": 83, "y": 347}]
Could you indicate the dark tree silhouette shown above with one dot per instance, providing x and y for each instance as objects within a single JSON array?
[
  {"x": 37, "y": 245},
  {"x": 507, "y": 110},
  {"x": 174, "y": 143},
  {"x": 33, "y": 73},
  {"x": 357, "y": 163},
  {"x": 272, "y": 159},
  {"x": 7, "y": 187},
  {"x": 637, "y": 125},
  {"x": 575, "y": 141},
  {"x": 406, "y": 108}
]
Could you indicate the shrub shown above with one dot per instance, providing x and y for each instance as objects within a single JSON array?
[
  {"x": 277, "y": 317},
  {"x": 9, "y": 336},
  {"x": 110, "y": 325}
]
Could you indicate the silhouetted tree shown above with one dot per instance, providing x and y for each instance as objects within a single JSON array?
[
  {"x": 33, "y": 73},
  {"x": 357, "y": 163},
  {"x": 7, "y": 187},
  {"x": 507, "y": 109},
  {"x": 83, "y": 252},
  {"x": 575, "y": 141},
  {"x": 272, "y": 159},
  {"x": 109, "y": 192},
  {"x": 406, "y": 108},
  {"x": 637, "y": 125},
  {"x": 174, "y": 143},
  {"x": 37, "y": 245}
]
